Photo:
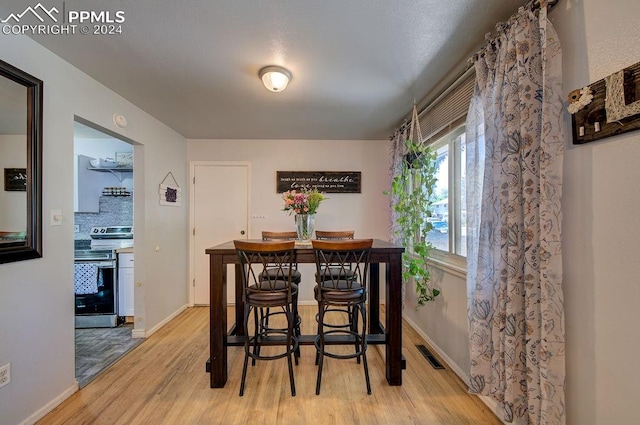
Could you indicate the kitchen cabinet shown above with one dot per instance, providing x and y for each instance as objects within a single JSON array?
[{"x": 125, "y": 284}]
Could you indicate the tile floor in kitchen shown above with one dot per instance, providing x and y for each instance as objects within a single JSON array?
[{"x": 99, "y": 348}]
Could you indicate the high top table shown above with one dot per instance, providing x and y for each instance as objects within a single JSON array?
[{"x": 390, "y": 334}]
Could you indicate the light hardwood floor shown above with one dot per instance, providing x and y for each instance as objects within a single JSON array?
[{"x": 163, "y": 381}]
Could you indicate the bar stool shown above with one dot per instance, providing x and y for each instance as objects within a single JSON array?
[
  {"x": 296, "y": 278},
  {"x": 352, "y": 320},
  {"x": 331, "y": 235},
  {"x": 334, "y": 290},
  {"x": 334, "y": 234},
  {"x": 263, "y": 290}
]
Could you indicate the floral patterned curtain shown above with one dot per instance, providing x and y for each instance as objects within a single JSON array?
[{"x": 514, "y": 185}]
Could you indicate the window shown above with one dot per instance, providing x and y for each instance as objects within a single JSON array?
[
  {"x": 448, "y": 215},
  {"x": 442, "y": 123}
]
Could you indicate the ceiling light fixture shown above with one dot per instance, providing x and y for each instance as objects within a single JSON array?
[{"x": 275, "y": 78}]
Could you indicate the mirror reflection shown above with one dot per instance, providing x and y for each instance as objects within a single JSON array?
[
  {"x": 20, "y": 164},
  {"x": 13, "y": 161}
]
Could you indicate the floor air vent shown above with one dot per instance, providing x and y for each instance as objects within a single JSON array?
[{"x": 430, "y": 358}]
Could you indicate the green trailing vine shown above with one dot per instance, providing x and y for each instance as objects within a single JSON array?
[{"x": 412, "y": 191}]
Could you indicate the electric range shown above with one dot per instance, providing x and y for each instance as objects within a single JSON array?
[{"x": 97, "y": 295}]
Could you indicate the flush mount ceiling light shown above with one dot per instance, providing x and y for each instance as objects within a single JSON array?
[{"x": 275, "y": 78}]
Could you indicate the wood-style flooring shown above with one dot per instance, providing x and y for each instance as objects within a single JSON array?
[{"x": 163, "y": 381}]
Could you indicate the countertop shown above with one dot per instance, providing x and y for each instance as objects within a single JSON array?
[{"x": 128, "y": 250}]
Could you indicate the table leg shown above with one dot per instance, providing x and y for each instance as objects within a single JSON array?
[
  {"x": 239, "y": 325},
  {"x": 374, "y": 299},
  {"x": 394, "y": 320},
  {"x": 217, "y": 321}
]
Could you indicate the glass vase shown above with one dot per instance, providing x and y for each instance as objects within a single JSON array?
[{"x": 304, "y": 226}]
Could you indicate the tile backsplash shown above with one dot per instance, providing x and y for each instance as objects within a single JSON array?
[{"x": 114, "y": 211}]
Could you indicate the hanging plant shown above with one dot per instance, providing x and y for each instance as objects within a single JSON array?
[
  {"x": 412, "y": 190},
  {"x": 412, "y": 193}
]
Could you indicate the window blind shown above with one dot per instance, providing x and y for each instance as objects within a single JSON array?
[{"x": 448, "y": 110}]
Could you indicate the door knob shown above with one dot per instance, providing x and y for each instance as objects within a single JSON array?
[{"x": 242, "y": 232}]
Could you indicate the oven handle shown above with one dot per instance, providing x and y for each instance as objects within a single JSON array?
[{"x": 111, "y": 264}]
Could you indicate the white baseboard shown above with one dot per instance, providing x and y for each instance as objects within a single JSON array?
[
  {"x": 42, "y": 412},
  {"x": 454, "y": 367},
  {"x": 161, "y": 324},
  {"x": 489, "y": 402},
  {"x": 138, "y": 333}
]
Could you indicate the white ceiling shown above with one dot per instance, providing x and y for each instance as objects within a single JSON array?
[{"x": 357, "y": 65}]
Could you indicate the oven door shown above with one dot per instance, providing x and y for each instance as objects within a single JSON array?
[{"x": 96, "y": 293}]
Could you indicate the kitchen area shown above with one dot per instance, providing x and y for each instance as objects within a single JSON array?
[{"x": 103, "y": 250}]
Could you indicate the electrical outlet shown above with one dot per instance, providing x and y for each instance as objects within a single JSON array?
[
  {"x": 5, "y": 374},
  {"x": 76, "y": 228}
]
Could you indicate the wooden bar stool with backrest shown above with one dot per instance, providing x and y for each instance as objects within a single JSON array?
[
  {"x": 333, "y": 290},
  {"x": 266, "y": 290},
  {"x": 352, "y": 321},
  {"x": 296, "y": 277},
  {"x": 333, "y": 235}
]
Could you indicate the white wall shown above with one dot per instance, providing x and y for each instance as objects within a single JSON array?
[
  {"x": 601, "y": 225},
  {"x": 36, "y": 296},
  {"x": 13, "y": 205},
  {"x": 367, "y": 213},
  {"x": 601, "y": 235},
  {"x": 443, "y": 322}
]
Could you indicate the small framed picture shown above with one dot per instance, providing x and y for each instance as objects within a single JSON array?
[{"x": 15, "y": 179}]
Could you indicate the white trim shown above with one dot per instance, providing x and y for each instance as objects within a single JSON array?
[
  {"x": 44, "y": 410},
  {"x": 138, "y": 333},
  {"x": 489, "y": 402},
  {"x": 455, "y": 268},
  {"x": 450, "y": 263},
  {"x": 454, "y": 367},
  {"x": 164, "y": 322}
]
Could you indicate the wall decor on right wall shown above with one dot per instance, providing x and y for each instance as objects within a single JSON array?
[
  {"x": 170, "y": 192},
  {"x": 607, "y": 107}
]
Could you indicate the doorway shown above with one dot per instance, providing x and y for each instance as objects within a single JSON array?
[
  {"x": 103, "y": 234},
  {"x": 219, "y": 213}
]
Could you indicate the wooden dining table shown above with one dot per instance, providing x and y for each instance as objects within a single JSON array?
[{"x": 389, "y": 334}]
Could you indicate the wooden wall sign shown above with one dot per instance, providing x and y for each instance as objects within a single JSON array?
[
  {"x": 324, "y": 181},
  {"x": 15, "y": 179},
  {"x": 614, "y": 109}
]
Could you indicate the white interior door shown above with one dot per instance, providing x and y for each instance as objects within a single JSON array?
[{"x": 220, "y": 206}]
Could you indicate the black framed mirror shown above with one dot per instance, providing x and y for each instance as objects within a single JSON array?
[{"x": 20, "y": 164}]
